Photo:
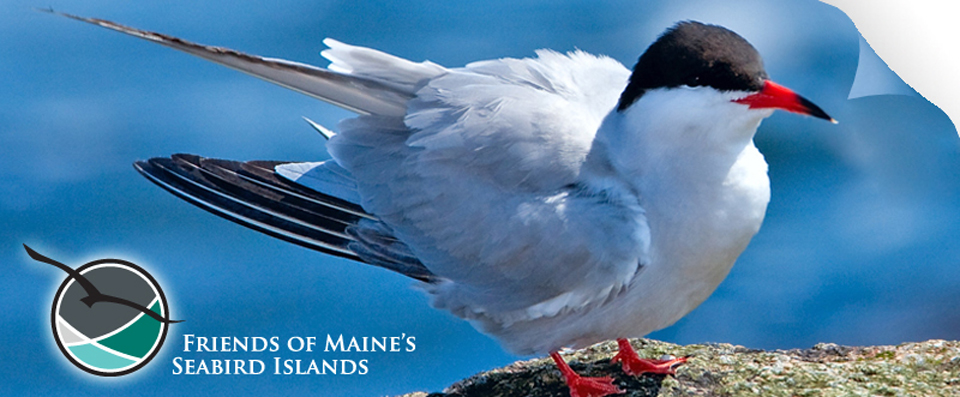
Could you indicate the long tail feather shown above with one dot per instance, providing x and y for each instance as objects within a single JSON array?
[{"x": 356, "y": 94}]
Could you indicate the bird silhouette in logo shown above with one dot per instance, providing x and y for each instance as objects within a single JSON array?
[
  {"x": 94, "y": 295},
  {"x": 109, "y": 316}
]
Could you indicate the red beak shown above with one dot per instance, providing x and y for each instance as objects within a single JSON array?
[{"x": 776, "y": 96}]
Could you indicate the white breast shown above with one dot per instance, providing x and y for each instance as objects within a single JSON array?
[{"x": 689, "y": 156}]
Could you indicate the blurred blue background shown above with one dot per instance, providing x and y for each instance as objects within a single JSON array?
[{"x": 859, "y": 245}]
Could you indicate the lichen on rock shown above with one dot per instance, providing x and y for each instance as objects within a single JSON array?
[{"x": 929, "y": 368}]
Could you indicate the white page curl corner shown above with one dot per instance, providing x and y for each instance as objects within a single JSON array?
[
  {"x": 874, "y": 77},
  {"x": 916, "y": 38}
]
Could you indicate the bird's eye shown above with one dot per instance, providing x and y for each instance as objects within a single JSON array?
[{"x": 693, "y": 81}]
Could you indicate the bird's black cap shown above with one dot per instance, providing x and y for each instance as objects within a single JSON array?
[{"x": 696, "y": 54}]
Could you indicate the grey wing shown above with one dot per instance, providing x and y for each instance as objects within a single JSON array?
[
  {"x": 479, "y": 179},
  {"x": 466, "y": 178}
]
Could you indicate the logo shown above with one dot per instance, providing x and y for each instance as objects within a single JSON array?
[{"x": 109, "y": 316}]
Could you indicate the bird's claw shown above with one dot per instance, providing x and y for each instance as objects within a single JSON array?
[
  {"x": 633, "y": 365},
  {"x": 592, "y": 387}
]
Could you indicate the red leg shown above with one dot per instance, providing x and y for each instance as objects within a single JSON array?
[
  {"x": 634, "y": 365},
  {"x": 584, "y": 387}
]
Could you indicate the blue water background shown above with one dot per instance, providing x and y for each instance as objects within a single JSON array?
[{"x": 859, "y": 245}]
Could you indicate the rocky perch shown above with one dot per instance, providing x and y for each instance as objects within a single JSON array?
[{"x": 929, "y": 368}]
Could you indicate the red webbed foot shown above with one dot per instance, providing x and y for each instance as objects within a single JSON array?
[
  {"x": 582, "y": 386},
  {"x": 633, "y": 365}
]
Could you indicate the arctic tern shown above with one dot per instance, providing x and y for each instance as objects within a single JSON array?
[{"x": 554, "y": 201}]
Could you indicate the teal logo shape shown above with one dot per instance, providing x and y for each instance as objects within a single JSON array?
[{"x": 109, "y": 316}]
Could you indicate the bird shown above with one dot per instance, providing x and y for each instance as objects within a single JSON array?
[{"x": 554, "y": 201}]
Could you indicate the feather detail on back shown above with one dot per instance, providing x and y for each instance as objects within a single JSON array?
[
  {"x": 494, "y": 149},
  {"x": 394, "y": 72},
  {"x": 326, "y": 176}
]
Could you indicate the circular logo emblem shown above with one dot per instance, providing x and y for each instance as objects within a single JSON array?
[{"x": 118, "y": 328}]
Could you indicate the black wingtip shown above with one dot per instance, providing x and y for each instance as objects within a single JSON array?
[{"x": 141, "y": 166}]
